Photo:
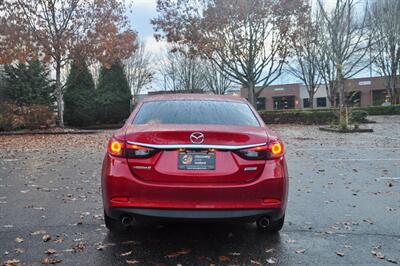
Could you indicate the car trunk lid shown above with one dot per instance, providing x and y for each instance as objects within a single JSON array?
[{"x": 214, "y": 146}]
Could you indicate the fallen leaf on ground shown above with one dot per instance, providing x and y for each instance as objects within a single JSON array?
[
  {"x": 375, "y": 251},
  {"x": 79, "y": 247},
  {"x": 100, "y": 246},
  {"x": 224, "y": 258},
  {"x": 340, "y": 254},
  {"x": 39, "y": 232},
  {"x": 50, "y": 251},
  {"x": 127, "y": 242},
  {"x": 255, "y": 263},
  {"x": 132, "y": 262},
  {"x": 178, "y": 253},
  {"x": 391, "y": 260},
  {"x": 59, "y": 239},
  {"x": 19, "y": 250},
  {"x": 270, "y": 250},
  {"x": 19, "y": 240},
  {"x": 49, "y": 260},
  {"x": 126, "y": 253},
  {"x": 302, "y": 250},
  {"x": 46, "y": 238},
  {"x": 272, "y": 260},
  {"x": 13, "y": 262}
]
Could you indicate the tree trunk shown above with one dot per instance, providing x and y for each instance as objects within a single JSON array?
[
  {"x": 59, "y": 96},
  {"x": 311, "y": 97},
  {"x": 343, "y": 119},
  {"x": 311, "y": 100},
  {"x": 392, "y": 89},
  {"x": 252, "y": 94}
]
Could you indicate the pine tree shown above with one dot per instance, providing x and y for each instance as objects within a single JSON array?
[
  {"x": 28, "y": 83},
  {"x": 113, "y": 96},
  {"x": 79, "y": 97}
]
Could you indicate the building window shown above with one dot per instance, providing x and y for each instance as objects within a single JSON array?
[
  {"x": 306, "y": 103},
  {"x": 354, "y": 98},
  {"x": 284, "y": 102},
  {"x": 321, "y": 102},
  {"x": 261, "y": 103},
  {"x": 379, "y": 97}
]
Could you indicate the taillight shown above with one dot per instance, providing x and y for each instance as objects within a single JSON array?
[
  {"x": 273, "y": 150},
  {"x": 116, "y": 147},
  {"x": 122, "y": 149},
  {"x": 136, "y": 151}
]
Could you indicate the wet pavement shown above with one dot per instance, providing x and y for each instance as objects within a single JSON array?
[{"x": 344, "y": 206}]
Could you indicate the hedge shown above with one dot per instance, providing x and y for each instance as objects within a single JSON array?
[
  {"x": 310, "y": 117},
  {"x": 15, "y": 117},
  {"x": 380, "y": 110}
]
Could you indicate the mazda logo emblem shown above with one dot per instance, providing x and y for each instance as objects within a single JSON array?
[{"x": 197, "y": 138}]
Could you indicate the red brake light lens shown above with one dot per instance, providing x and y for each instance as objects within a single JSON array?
[
  {"x": 277, "y": 149},
  {"x": 122, "y": 149},
  {"x": 116, "y": 148}
]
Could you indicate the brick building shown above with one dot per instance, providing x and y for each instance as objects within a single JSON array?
[{"x": 360, "y": 91}]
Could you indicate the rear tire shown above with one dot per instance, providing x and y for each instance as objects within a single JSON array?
[
  {"x": 273, "y": 227},
  {"x": 112, "y": 224}
]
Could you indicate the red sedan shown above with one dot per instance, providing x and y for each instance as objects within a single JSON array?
[{"x": 198, "y": 157}]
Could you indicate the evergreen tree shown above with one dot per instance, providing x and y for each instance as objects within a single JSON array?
[
  {"x": 28, "y": 83},
  {"x": 79, "y": 96},
  {"x": 113, "y": 95}
]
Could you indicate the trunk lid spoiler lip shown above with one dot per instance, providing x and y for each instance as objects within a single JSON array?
[{"x": 196, "y": 146}]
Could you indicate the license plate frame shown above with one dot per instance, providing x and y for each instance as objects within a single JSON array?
[{"x": 196, "y": 160}]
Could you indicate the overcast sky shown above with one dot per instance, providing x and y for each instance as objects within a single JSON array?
[{"x": 144, "y": 10}]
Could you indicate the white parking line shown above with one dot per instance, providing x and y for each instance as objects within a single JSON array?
[
  {"x": 345, "y": 149},
  {"x": 389, "y": 178},
  {"x": 386, "y": 137},
  {"x": 372, "y": 159}
]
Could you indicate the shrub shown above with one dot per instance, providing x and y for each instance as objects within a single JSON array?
[
  {"x": 358, "y": 116},
  {"x": 79, "y": 97},
  {"x": 113, "y": 96},
  {"x": 14, "y": 117},
  {"x": 28, "y": 83},
  {"x": 309, "y": 116},
  {"x": 380, "y": 110}
]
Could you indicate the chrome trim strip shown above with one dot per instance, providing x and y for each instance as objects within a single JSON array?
[{"x": 195, "y": 146}]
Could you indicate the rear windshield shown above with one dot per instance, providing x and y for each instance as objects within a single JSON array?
[{"x": 196, "y": 112}]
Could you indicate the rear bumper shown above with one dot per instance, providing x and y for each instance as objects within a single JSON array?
[
  {"x": 124, "y": 194},
  {"x": 242, "y": 215}
]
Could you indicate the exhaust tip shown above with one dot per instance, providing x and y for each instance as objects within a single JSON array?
[
  {"x": 263, "y": 222},
  {"x": 126, "y": 220}
]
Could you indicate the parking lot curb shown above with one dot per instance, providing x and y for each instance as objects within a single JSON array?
[{"x": 77, "y": 132}]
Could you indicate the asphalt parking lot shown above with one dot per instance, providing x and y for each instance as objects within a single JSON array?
[{"x": 344, "y": 206}]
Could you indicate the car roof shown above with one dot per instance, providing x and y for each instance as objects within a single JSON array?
[{"x": 193, "y": 96}]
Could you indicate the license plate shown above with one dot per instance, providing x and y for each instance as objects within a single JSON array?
[{"x": 196, "y": 160}]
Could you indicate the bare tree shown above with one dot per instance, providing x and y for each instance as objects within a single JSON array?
[
  {"x": 327, "y": 71},
  {"x": 345, "y": 41},
  {"x": 385, "y": 28},
  {"x": 138, "y": 69},
  {"x": 304, "y": 65},
  {"x": 250, "y": 38},
  {"x": 217, "y": 80},
  {"x": 182, "y": 71},
  {"x": 60, "y": 31}
]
